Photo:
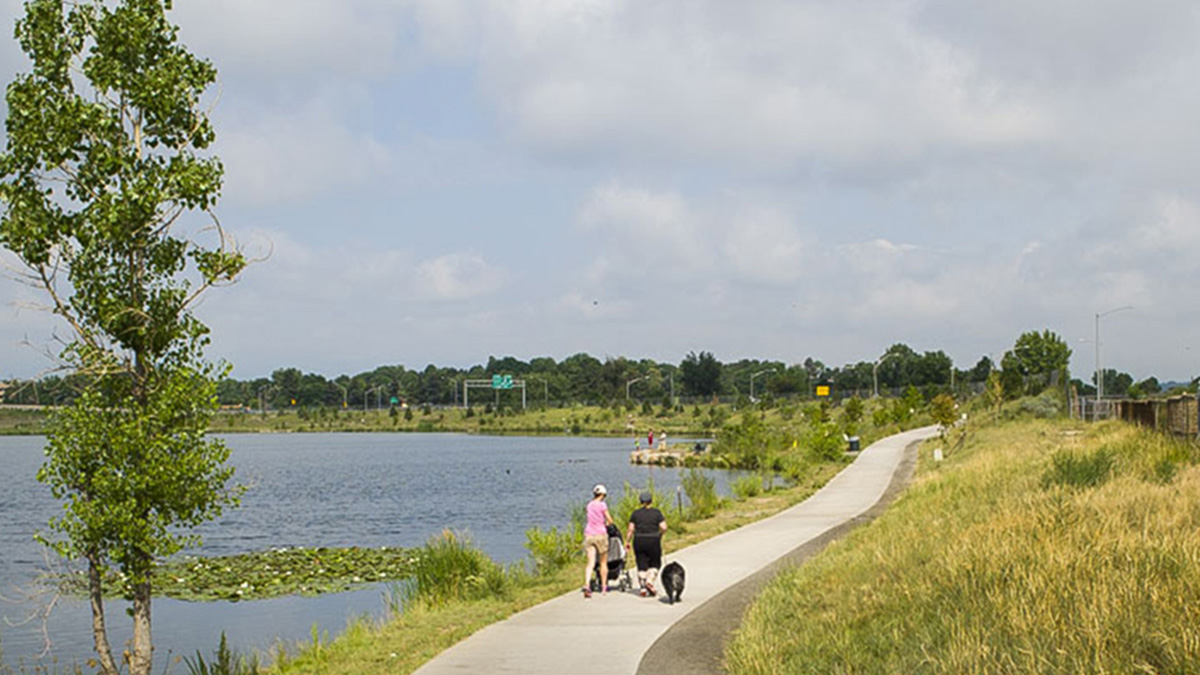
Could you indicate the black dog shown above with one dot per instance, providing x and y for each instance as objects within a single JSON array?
[{"x": 672, "y": 579}]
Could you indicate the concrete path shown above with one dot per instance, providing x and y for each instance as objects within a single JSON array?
[{"x": 612, "y": 633}]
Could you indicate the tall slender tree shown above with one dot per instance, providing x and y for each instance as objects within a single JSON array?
[{"x": 108, "y": 191}]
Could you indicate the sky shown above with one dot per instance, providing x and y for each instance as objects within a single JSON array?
[{"x": 441, "y": 181}]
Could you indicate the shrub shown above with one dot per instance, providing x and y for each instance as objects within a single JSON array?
[
  {"x": 748, "y": 486},
  {"x": 823, "y": 441},
  {"x": 701, "y": 491},
  {"x": 881, "y": 417},
  {"x": 1046, "y": 405},
  {"x": 226, "y": 662},
  {"x": 553, "y": 549},
  {"x": 450, "y": 567},
  {"x": 1072, "y": 469}
]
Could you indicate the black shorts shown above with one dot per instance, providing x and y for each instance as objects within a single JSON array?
[{"x": 648, "y": 552}]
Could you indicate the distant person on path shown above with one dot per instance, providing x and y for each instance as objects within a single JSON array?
[
  {"x": 662, "y": 441},
  {"x": 645, "y": 531},
  {"x": 650, "y": 439},
  {"x": 595, "y": 539}
]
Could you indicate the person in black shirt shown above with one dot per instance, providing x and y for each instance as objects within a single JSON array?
[{"x": 646, "y": 527}]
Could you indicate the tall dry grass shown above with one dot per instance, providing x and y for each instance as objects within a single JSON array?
[{"x": 1000, "y": 560}]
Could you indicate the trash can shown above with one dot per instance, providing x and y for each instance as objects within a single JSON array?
[{"x": 854, "y": 446}]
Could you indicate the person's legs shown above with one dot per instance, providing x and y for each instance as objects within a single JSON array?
[
  {"x": 639, "y": 553},
  {"x": 653, "y": 563},
  {"x": 602, "y": 552},
  {"x": 591, "y": 562}
]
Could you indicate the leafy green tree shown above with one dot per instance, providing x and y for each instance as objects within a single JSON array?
[
  {"x": 1040, "y": 358},
  {"x": 982, "y": 370},
  {"x": 994, "y": 390},
  {"x": 1116, "y": 383},
  {"x": 1147, "y": 387},
  {"x": 701, "y": 374},
  {"x": 944, "y": 411},
  {"x": 105, "y": 165},
  {"x": 852, "y": 414}
]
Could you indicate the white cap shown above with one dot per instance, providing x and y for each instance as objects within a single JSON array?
[{"x": 599, "y": 490}]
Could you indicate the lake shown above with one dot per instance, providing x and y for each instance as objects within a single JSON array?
[{"x": 316, "y": 490}]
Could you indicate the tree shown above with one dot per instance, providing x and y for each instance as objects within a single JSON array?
[
  {"x": 944, "y": 411},
  {"x": 701, "y": 374},
  {"x": 1147, "y": 387},
  {"x": 104, "y": 166},
  {"x": 1042, "y": 356},
  {"x": 1115, "y": 383},
  {"x": 983, "y": 368}
]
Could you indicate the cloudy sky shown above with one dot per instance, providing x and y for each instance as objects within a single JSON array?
[{"x": 439, "y": 181}]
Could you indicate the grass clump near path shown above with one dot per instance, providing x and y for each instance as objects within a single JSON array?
[{"x": 1038, "y": 546}]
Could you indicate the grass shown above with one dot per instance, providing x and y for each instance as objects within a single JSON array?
[
  {"x": 405, "y": 641},
  {"x": 16, "y": 421},
  {"x": 1037, "y": 547}
]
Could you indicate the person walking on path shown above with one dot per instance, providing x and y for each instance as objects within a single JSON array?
[
  {"x": 645, "y": 531},
  {"x": 595, "y": 539}
]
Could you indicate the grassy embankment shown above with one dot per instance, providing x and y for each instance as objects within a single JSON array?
[
  {"x": 1039, "y": 546},
  {"x": 579, "y": 420},
  {"x": 21, "y": 422}
]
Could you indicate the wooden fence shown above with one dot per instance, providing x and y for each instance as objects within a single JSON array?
[{"x": 1179, "y": 415}]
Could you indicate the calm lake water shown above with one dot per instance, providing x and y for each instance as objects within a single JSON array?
[{"x": 315, "y": 490}]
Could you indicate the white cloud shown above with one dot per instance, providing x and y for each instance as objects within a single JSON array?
[
  {"x": 276, "y": 156},
  {"x": 763, "y": 245},
  {"x": 300, "y": 38},
  {"x": 459, "y": 276},
  {"x": 641, "y": 227},
  {"x": 773, "y": 82}
]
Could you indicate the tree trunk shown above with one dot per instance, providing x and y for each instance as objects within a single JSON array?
[
  {"x": 99, "y": 627},
  {"x": 142, "y": 659}
]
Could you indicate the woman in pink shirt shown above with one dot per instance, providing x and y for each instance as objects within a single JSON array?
[{"x": 595, "y": 539}]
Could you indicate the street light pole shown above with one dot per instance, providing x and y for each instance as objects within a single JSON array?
[
  {"x": 768, "y": 370},
  {"x": 629, "y": 384},
  {"x": 875, "y": 371},
  {"x": 1099, "y": 371}
]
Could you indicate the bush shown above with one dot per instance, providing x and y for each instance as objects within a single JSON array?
[
  {"x": 553, "y": 549},
  {"x": 226, "y": 662},
  {"x": 746, "y": 487},
  {"x": 1071, "y": 469},
  {"x": 1047, "y": 405},
  {"x": 450, "y": 567},
  {"x": 701, "y": 491},
  {"x": 823, "y": 442}
]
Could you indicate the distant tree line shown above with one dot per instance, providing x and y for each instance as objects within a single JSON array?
[
  {"x": 585, "y": 379},
  {"x": 1036, "y": 361}
]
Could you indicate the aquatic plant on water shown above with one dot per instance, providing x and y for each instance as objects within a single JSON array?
[{"x": 273, "y": 573}]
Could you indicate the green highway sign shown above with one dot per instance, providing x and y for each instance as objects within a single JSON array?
[{"x": 502, "y": 382}]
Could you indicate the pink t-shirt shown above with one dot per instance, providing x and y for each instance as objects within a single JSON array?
[{"x": 595, "y": 518}]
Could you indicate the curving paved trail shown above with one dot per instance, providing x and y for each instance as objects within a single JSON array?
[{"x": 623, "y": 633}]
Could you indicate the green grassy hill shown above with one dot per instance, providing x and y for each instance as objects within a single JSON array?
[{"x": 1049, "y": 547}]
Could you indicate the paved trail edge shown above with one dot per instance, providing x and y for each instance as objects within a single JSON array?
[{"x": 696, "y": 644}]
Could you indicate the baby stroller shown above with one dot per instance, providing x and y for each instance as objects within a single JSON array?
[{"x": 616, "y": 563}]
